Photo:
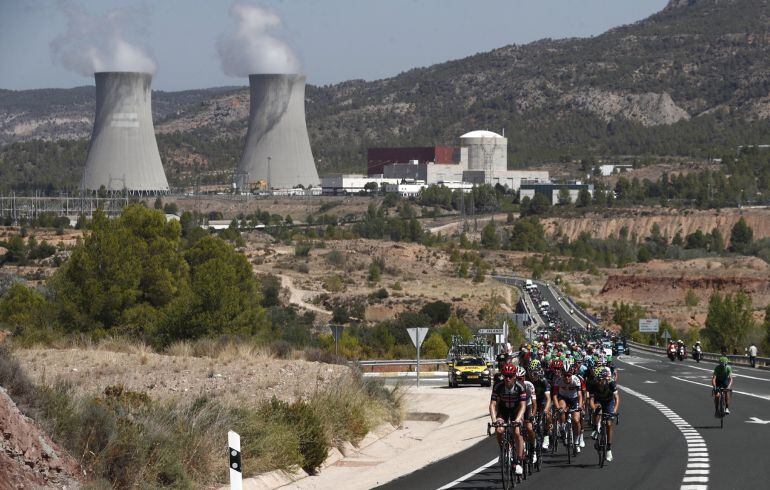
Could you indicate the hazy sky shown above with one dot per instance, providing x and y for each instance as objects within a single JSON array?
[{"x": 334, "y": 40}]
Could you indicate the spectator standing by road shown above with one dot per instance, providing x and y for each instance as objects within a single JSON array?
[{"x": 753, "y": 355}]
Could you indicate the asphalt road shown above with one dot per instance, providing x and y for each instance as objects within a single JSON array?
[{"x": 650, "y": 451}]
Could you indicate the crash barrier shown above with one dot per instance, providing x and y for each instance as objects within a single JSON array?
[
  {"x": 411, "y": 364},
  {"x": 738, "y": 360}
]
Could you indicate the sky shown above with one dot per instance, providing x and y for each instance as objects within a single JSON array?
[{"x": 333, "y": 40}]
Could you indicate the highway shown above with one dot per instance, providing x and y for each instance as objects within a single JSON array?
[
  {"x": 668, "y": 436},
  {"x": 650, "y": 450}
]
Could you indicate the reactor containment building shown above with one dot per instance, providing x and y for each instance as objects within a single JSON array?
[
  {"x": 277, "y": 150},
  {"x": 123, "y": 153}
]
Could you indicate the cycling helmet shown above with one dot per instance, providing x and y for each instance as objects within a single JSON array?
[
  {"x": 609, "y": 358},
  {"x": 578, "y": 357},
  {"x": 598, "y": 371},
  {"x": 723, "y": 361},
  {"x": 534, "y": 364},
  {"x": 604, "y": 373},
  {"x": 558, "y": 364},
  {"x": 521, "y": 372},
  {"x": 697, "y": 342},
  {"x": 508, "y": 369},
  {"x": 567, "y": 367}
]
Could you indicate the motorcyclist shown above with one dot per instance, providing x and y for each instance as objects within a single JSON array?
[
  {"x": 671, "y": 350},
  {"x": 697, "y": 351},
  {"x": 681, "y": 350}
]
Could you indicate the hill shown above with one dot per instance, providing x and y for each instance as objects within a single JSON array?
[{"x": 693, "y": 79}]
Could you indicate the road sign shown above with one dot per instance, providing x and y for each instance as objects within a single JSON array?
[
  {"x": 491, "y": 331},
  {"x": 666, "y": 335},
  {"x": 418, "y": 335},
  {"x": 336, "y": 331},
  {"x": 414, "y": 332},
  {"x": 649, "y": 325}
]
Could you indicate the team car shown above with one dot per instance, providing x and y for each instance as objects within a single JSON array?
[{"x": 469, "y": 370}]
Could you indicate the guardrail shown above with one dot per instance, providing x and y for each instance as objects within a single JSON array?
[
  {"x": 370, "y": 364},
  {"x": 761, "y": 362}
]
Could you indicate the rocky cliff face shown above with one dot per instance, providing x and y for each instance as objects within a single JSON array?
[{"x": 671, "y": 222}]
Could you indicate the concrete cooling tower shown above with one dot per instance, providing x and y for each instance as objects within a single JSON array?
[
  {"x": 277, "y": 150},
  {"x": 123, "y": 153}
]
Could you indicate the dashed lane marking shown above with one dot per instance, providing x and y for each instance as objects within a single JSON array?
[
  {"x": 472, "y": 473},
  {"x": 734, "y": 374},
  {"x": 762, "y": 397},
  {"x": 696, "y": 475}
]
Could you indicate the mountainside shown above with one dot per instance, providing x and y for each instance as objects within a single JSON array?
[{"x": 692, "y": 79}]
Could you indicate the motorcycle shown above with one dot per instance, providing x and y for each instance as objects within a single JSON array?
[
  {"x": 681, "y": 354},
  {"x": 697, "y": 354},
  {"x": 671, "y": 354}
]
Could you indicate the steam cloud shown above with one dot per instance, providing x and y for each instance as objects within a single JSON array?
[
  {"x": 95, "y": 43},
  {"x": 251, "y": 48}
]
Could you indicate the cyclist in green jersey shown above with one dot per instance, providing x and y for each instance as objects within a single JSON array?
[{"x": 722, "y": 378}]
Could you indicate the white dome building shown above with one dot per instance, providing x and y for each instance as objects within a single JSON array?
[{"x": 487, "y": 151}]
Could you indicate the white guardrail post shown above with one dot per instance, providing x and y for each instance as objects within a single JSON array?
[{"x": 234, "y": 455}]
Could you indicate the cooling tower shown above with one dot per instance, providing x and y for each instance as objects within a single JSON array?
[
  {"x": 123, "y": 153},
  {"x": 277, "y": 147}
]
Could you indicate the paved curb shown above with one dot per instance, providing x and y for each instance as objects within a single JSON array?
[{"x": 407, "y": 374}]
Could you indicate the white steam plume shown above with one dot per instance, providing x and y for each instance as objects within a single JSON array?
[
  {"x": 251, "y": 48},
  {"x": 95, "y": 43}
]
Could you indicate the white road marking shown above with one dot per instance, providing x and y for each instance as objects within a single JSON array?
[
  {"x": 465, "y": 477},
  {"x": 734, "y": 391},
  {"x": 734, "y": 374},
  {"x": 697, "y": 451},
  {"x": 640, "y": 367},
  {"x": 755, "y": 420}
]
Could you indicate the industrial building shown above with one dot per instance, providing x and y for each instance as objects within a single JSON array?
[
  {"x": 277, "y": 150},
  {"x": 378, "y": 158},
  {"x": 551, "y": 190},
  {"x": 480, "y": 159},
  {"x": 344, "y": 184},
  {"x": 123, "y": 153}
]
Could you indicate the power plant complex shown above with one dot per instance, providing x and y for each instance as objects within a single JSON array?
[{"x": 277, "y": 159}]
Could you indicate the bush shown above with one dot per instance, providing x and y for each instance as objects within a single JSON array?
[
  {"x": 302, "y": 249},
  {"x": 336, "y": 258},
  {"x": 381, "y": 293}
]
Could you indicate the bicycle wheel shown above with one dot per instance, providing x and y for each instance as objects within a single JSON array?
[
  {"x": 568, "y": 444},
  {"x": 505, "y": 464},
  {"x": 602, "y": 448},
  {"x": 722, "y": 405},
  {"x": 554, "y": 434}
]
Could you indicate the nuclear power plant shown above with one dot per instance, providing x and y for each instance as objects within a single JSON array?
[
  {"x": 277, "y": 153},
  {"x": 123, "y": 154}
]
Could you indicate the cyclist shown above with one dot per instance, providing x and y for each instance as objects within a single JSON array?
[
  {"x": 570, "y": 397},
  {"x": 607, "y": 399},
  {"x": 509, "y": 404},
  {"x": 722, "y": 378},
  {"x": 543, "y": 399},
  {"x": 529, "y": 414}
]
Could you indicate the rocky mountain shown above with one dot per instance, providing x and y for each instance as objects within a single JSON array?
[{"x": 693, "y": 79}]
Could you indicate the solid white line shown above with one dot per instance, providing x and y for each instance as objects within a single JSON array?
[
  {"x": 465, "y": 477},
  {"x": 734, "y": 391},
  {"x": 640, "y": 367}
]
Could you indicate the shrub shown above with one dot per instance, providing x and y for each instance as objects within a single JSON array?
[
  {"x": 302, "y": 249},
  {"x": 381, "y": 293},
  {"x": 336, "y": 258},
  {"x": 333, "y": 283}
]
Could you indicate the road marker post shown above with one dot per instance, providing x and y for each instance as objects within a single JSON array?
[{"x": 234, "y": 455}]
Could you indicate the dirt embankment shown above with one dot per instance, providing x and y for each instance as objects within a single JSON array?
[
  {"x": 28, "y": 457},
  {"x": 642, "y": 288},
  {"x": 670, "y": 221}
]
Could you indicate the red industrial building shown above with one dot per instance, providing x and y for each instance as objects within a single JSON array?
[{"x": 377, "y": 158}]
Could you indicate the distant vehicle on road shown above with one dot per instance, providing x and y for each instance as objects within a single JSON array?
[
  {"x": 469, "y": 370},
  {"x": 607, "y": 347}
]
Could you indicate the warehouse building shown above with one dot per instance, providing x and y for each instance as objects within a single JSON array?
[{"x": 551, "y": 190}]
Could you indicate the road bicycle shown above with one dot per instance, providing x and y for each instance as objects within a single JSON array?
[
  {"x": 721, "y": 404},
  {"x": 601, "y": 438},
  {"x": 539, "y": 427},
  {"x": 569, "y": 437},
  {"x": 554, "y": 428},
  {"x": 508, "y": 455}
]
